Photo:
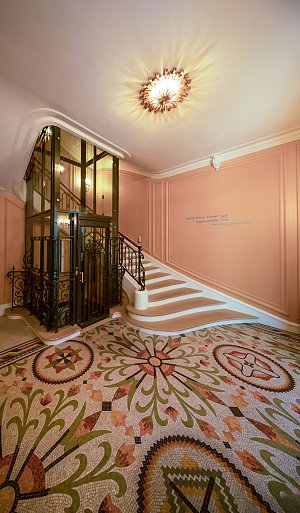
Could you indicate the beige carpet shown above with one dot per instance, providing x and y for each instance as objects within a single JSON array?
[{"x": 13, "y": 332}]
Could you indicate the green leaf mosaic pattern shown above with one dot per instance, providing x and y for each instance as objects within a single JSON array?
[{"x": 154, "y": 423}]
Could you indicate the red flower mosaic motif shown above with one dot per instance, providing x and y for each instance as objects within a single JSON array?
[
  {"x": 46, "y": 399},
  {"x": 295, "y": 408},
  {"x": 172, "y": 412},
  {"x": 146, "y": 426},
  {"x": 250, "y": 462},
  {"x": 124, "y": 456},
  {"x": 26, "y": 387}
]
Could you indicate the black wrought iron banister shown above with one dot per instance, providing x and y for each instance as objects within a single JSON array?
[
  {"x": 37, "y": 285},
  {"x": 19, "y": 287},
  {"x": 130, "y": 259}
]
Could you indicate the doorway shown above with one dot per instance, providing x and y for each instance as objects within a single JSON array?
[{"x": 91, "y": 256}]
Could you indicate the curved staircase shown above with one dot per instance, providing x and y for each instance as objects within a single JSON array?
[{"x": 174, "y": 307}]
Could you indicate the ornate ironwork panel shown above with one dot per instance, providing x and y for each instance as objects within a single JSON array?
[{"x": 93, "y": 269}]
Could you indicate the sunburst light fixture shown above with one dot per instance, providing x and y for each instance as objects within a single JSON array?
[{"x": 164, "y": 91}]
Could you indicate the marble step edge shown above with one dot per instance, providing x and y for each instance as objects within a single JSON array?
[
  {"x": 174, "y": 315},
  {"x": 150, "y": 279},
  {"x": 154, "y": 271},
  {"x": 161, "y": 286},
  {"x": 174, "y": 295},
  {"x": 164, "y": 328},
  {"x": 147, "y": 316}
]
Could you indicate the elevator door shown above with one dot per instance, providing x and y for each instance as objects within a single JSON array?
[{"x": 92, "y": 269}]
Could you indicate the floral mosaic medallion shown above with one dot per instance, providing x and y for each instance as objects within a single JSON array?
[
  {"x": 163, "y": 378},
  {"x": 253, "y": 368},
  {"x": 118, "y": 421},
  {"x": 181, "y": 474},
  {"x": 63, "y": 363}
]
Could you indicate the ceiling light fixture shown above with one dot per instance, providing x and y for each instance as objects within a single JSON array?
[{"x": 164, "y": 91}]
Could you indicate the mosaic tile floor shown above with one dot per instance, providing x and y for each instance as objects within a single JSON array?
[{"x": 120, "y": 422}]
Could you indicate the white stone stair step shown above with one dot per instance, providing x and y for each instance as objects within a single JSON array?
[
  {"x": 193, "y": 321},
  {"x": 173, "y": 295},
  {"x": 174, "y": 309},
  {"x": 164, "y": 284},
  {"x": 156, "y": 276},
  {"x": 152, "y": 268}
]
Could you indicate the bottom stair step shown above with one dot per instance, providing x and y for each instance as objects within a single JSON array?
[
  {"x": 175, "y": 307},
  {"x": 192, "y": 321}
]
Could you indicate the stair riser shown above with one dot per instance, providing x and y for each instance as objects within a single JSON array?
[{"x": 175, "y": 315}]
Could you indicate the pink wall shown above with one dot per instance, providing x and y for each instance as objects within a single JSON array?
[
  {"x": 249, "y": 248},
  {"x": 134, "y": 207},
  {"x": 12, "y": 227}
]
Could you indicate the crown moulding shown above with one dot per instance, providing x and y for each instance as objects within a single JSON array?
[{"x": 238, "y": 151}]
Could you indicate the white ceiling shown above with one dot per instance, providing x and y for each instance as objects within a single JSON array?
[{"x": 88, "y": 58}]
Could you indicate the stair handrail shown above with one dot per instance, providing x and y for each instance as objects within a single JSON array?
[{"x": 130, "y": 259}]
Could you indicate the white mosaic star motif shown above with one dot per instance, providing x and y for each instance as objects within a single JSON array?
[{"x": 249, "y": 365}]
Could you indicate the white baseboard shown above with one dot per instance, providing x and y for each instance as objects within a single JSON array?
[{"x": 3, "y": 308}]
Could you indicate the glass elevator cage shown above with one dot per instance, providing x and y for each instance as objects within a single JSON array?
[{"x": 71, "y": 259}]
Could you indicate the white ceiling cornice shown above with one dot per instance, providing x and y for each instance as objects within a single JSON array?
[
  {"x": 238, "y": 151},
  {"x": 46, "y": 116}
]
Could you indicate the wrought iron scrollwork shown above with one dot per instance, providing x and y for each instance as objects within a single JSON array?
[
  {"x": 20, "y": 288},
  {"x": 48, "y": 291},
  {"x": 94, "y": 250},
  {"x": 27, "y": 259},
  {"x": 130, "y": 259},
  {"x": 115, "y": 284},
  {"x": 48, "y": 295}
]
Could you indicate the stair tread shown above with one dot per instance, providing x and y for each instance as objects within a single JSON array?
[
  {"x": 177, "y": 306},
  {"x": 156, "y": 275},
  {"x": 163, "y": 283},
  {"x": 152, "y": 268},
  {"x": 169, "y": 294},
  {"x": 190, "y": 321}
]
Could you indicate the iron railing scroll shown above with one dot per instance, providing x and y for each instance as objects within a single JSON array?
[
  {"x": 19, "y": 288},
  {"x": 43, "y": 286},
  {"x": 20, "y": 285},
  {"x": 130, "y": 259}
]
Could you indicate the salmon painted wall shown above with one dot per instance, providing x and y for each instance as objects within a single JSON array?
[
  {"x": 134, "y": 207},
  {"x": 12, "y": 227},
  {"x": 235, "y": 229}
]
